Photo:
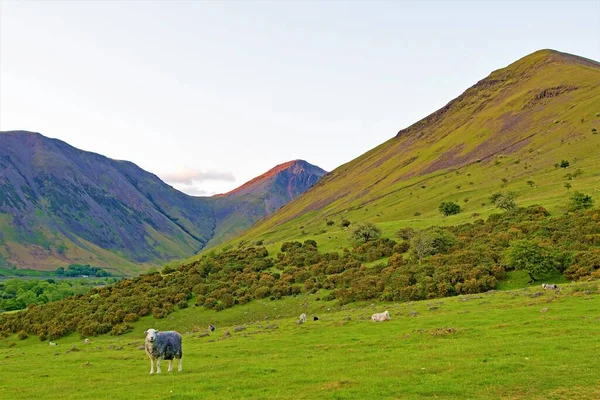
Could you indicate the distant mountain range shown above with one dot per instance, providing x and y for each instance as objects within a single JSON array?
[
  {"x": 61, "y": 205},
  {"x": 508, "y": 132}
]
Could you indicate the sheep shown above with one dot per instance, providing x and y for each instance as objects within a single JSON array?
[
  {"x": 384, "y": 316},
  {"x": 315, "y": 318},
  {"x": 165, "y": 346},
  {"x": 52, "y": 344},
  {"x": 302, "y": 318},
  {"x": 549, "y": 286},
  {"x": 87, "y": 341},
  {"x": 211, "y": 328}
]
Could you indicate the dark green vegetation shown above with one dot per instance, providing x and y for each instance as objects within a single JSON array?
[
  {"x": 431, "y": 263},
  {"x": 61, "y": 205},
  {"x": 16, "y": 294},
  {"x": 504, "y": 134},
  {"x": 522, "y": 344}
]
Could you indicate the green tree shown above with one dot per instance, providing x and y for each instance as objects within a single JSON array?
[
  {"x": 504, "y": 201},
  {"x": 449, "y": 208},
  {"x": 345, "y": 223},
  {"x": 528, "y": 256},
  {"x": 365, "y": 232},
  {"x": 568, "y": 186},
  {"x": 564, "y": 164},
  {"x": 580, "y": 201}
]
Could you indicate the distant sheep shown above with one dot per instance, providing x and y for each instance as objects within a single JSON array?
[
  {"x": 302, "y": 318},
  {"x": 380, "y": 317},
  {"x": 52, "y": 344},
  {"x": 86, "y": 341},
  {"x": 549, "y": 286},
  {"x": 211, "y": 328},
  {"x": 163, "y": 346},
  {"x": 315, "y": 318}
]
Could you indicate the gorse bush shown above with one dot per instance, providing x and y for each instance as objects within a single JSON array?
[{"x": 430, "y": 263}]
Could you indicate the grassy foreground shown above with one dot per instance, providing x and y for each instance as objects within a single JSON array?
[{"x": 521, "y": 344}]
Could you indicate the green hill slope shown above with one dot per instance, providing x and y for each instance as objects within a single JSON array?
[{"x": 506, "y": 132}]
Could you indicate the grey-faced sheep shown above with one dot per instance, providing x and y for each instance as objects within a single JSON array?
[
  {"x": 163, "y": 346},
  {"x": 549, "y": 286},
  {"x": 302, "y": 318},
  {"x": 380, "y": 317}
]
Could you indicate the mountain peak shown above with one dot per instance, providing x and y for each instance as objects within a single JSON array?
[{"x": 294, "y": 166}]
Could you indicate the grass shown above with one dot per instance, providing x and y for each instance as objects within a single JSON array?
[{"x": 501, "y": 344}]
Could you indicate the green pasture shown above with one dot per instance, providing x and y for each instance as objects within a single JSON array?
[{"x": 526, "y": 343}]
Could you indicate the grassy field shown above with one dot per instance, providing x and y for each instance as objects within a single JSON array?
[{"x": 526, "y": 343}]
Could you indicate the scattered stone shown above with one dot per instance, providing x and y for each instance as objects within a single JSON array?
[
  {"x": 226, "y": 334},
  {"x": 536, "y": 294},
  {"x": 543, "y": 310},
  {"x": 272, "y": 327},
  {"x": 348, "y": 318},
  {"x": 464, "y": 299},
  {"x": 433, "y": 308},
  {"x": 204, "y": 334},
  {"x": 413, "y": 313},
  {"x": 442, "y": 331},
  {"x": 75, "y": 349},
  {"x": 211, "y": 340},
  {"x": 239, "y": 328},
  {"x": 140, "y": 347}
]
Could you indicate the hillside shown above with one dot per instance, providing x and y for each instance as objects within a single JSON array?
[
  {"x": 60, "y": 205},
  {"x": 508, "y": 132}
]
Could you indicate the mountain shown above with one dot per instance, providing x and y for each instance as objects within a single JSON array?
[
  {"x": 239, "y": 209},
  {"x": 508, "y": 132},
  {"x": 60, "y": 205}
]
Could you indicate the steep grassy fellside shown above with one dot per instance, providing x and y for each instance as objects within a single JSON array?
[
  {"x": 521, "y": 344},
  {"x": 504, "y": 133}
]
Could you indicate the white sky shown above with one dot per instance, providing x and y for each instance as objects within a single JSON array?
[{"x": 208, "y": 95}]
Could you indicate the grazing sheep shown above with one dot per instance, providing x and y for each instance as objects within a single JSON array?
[
  {"x": 86, "y": 341},
  {"x": 549, "y": 286},
  {"x": 302, "y": 318},
  {"x": 380, "y": 317},
  {"x": 315, "y": 318},
  {"x": 52, "y": 344},
  {"x": 165, "y": 346},
  {"x": 211, "y": 328}
]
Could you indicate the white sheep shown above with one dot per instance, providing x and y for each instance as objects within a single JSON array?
[{"x": 380, "y": 317}]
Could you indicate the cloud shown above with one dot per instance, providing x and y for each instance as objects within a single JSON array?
[
  {"x": 193, "y": 191},
  {"x": 190, "y": 176}
]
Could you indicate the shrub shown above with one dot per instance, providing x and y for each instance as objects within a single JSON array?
[
  {"x": 449, "y": 208},
  {"x": 580, "y": 201},
  {"x": 564, "y": 164},
  {"x": 504, "y": 201},
  {"x": 22, "y": 335},
  {"x": 364, "y": 233}
]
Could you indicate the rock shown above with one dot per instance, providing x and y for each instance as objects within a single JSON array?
[
  {"x": 239, "y": 328},
  {"x": 272, "y": 327},
  {"x": 348, "y": 318},
  {"x": 226, "y": 334},
  {"x": 433, "y": 308},
  {"x": 413, "y": 313},
  {"x": 204, "y": 334}
]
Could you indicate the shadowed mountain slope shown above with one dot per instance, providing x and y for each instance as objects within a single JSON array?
[{"x": 60, "y": 205}]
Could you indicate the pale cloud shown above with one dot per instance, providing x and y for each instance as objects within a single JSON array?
[
  {"x": 189, "y": 176},
  {"x": 194, "y": 191}
]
